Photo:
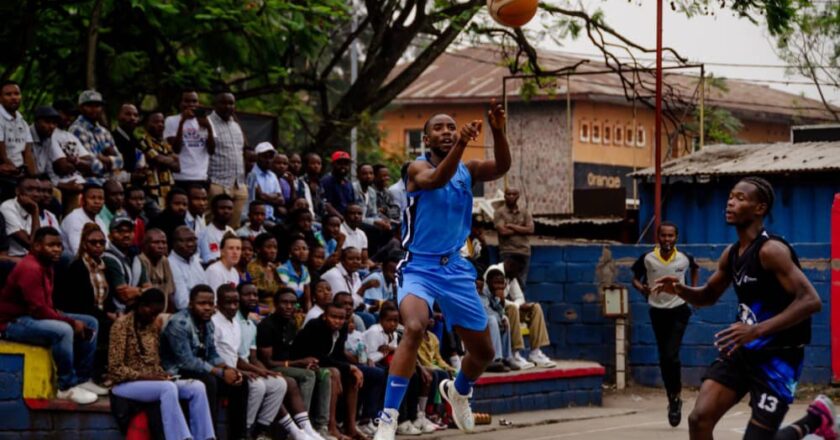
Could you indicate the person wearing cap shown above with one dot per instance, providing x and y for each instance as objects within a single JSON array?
[
  {"x": 263, "y": 184},
  {"x": 338, "y": 190},
  {"x": 227, "y": 164},
  {"x": 192, "y": 137},
  {"x": 94, "y": 136},
  {"x": 46, "y": 121},
  {"x": 15, "y": 140},
  {"x": 124, "y": 271}
]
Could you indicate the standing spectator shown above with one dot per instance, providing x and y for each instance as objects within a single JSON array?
[
  {"x": 263, "y": 184},
  {"x": 188, "y": 349},
  {"x": 366, "y": 198},
  {"x": 197, "y": 209},
  {"x": 123, "y": 270},
  {"x": 514, "y": 225},
  {"x": 256, "y": 221},
  {"x": 185, "y": 264},
  {"x": 93, "y": 197},
  {"x": 15, "y": 140},
  {"x": 135, "y": 369},
  {"x": 27, "y": 315},
  {"x": 22, "y": 216},
  {"x": 345, "y": 278},
  {"x": 174, "y": 215},
  {"x": 295, "y": 165},
  {"x": 309, "y": 185},
  {"x": 156, "y": 264},
  {"x": 227, "y": 164},
  {"x": 338, "y": 190},
  {"x": 135, "y": 201},
  {"x": 263, "y": 270},
  {"x": 295, "y": 275},
  {"x": 353, "y": 233},
  {"x": 128, "y": 118},
  {"x": 223, "y": 272},
  {"x": 669, "y": 314},
  {"x": 192, "y": 137},
  {"x": 210, "y": 239},
  {"x": 114, "y": 199},
  {"x": 160, "y": 159},
  {"x": 388, "y": 207},
  {"x": 280, "y": 168},
  {"x": 398, "y": 191},
  {"x": 94, "y": 136}
]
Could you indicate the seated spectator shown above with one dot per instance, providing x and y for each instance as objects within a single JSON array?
[
  {"x": 174, "y": 215},
  {"x": 156, "y": 264},
  {"x": 197, "y": 210},
  {"x": 43, "y": 149},
  {"x": 114, "y": 198},
  {"x": 246, "y": 256},
  {"x": 345, "y": 277},
  {"x": 93, "y": 197},
  {"x": 338, "y": 190},
  {"x": 294, "y": 274},
  {"x": 135, "y": 369},
  {"x": 355, "y": 236},
  {"x": 263, "y": 184},
  {"x": 385, "y": 286},
  {"x": 374, "y": 379},
  {"x": 27, "y": 315},
  {"x": 185, "y": 264},
  {"x": 366, "y": 197},
  {"x": 323, "y": 296},
  {"x": 135, "y": 203},
  {"x": 324, "y": 339},
  {"x": 256, "y": 221},
  {"x": 332, "y": 239},
  {"x": 398, "y": 191},
  {"x": 160, "y": 159},
  {"x": 429, "y": 354},
  {"x": 263, "y": 271},
  {"x": 23, "y": 216},
  {"x": 210, "y": 239},
  {"x": 315, "y": 264},
  {"x": 7, "y": 263},
  {"x": 95, "y": 137},
  {"x": 345, "y": 300},
  {"x": 48, "y": 206},
  {"x": 265, "y": 389},
  {"x": 492, "y": 294},
  {"x": 223, "y": 271},
  {"x": 381, "y": 338},
  {"x": 297, "y": 426},
  {"x": 518, "y": 310},
  {"x": 68, "y": 168},
  {"x": 275, "y": 335},
  {"x": 188, "y": 349},
  {"x": 123, "y": 269},
  {"x": 309, "y": 186},
  {"x": 298, "y": 224}
]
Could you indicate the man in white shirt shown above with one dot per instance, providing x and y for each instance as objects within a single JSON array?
[
  {"x": 186, "y": 266},
  {"x": 15, "y": 137},
  {"x": 191, "y": 136},
  {"x": 93, "y": 198},
  {"x": 265, "y": 389},
  {"x": 354, "y": 235},
  {"x": 22, "y": 217},
  {"x": 227, "y": 164},
  {"x": 223, "y": 272},
  {"x": 210, "y": 239},
  {"x": 344, "y": 277}
]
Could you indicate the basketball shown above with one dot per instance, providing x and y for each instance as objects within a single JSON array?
[{"x": 512, "y": 13}]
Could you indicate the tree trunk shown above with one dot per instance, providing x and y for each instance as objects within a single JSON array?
[{"x": 92, "y": 38}]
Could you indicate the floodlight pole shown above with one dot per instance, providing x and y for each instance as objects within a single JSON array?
[{"x": 657, "y": 192}]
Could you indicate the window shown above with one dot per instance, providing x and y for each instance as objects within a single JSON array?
[
  {"x": 584, "y": 131},
  {"x": 596, "y": 132},
  {"x": 640, "y": 136},
  {"x": 631, "y": 139},
  {"x": 607, "y": 133},
  {"x": 619, "y": 134},
  {"x": 414, "y": 143}
]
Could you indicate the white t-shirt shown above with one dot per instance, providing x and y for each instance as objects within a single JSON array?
[
  {"x": 17, "y": 219},
  {"x": 354, "y": 238},
  {"x": 194, "y": 157},
  {"x": 68, "y": 145},
  {"x": 314, "y": 313},
  {"x": 376, "y": 337},
  {"x": 341, "y": 281},
  {"x": 14, "y": 132},
  {"x": 72, "y": 229},
  {"x": 210, "y": 242},
  {"x": 227, "y": 334},
  {"x": 217, "y": 274}
]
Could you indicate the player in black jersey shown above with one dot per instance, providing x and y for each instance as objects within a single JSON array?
[{"x": 762, "y": 352}]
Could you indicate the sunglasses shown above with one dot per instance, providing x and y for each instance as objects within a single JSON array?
[{"x": 97, "y": 242}]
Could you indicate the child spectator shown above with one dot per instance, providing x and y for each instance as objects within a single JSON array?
[
  {"x": 298, "y": 224},
  {"x": 332, "y": 239},
  {"x": 294, "y": 274},
  {"x": 256, "y": 221},
  {"x": 135, "y": 369},
  {"x": 263, "y": 270},
  {"x": 280, "y": 168},
  {"x": 323, "y": 296},
  {"x": 345, "y": 277},
  {"x": 492, "y": 297},
  {"x": 385, "y": 287}
]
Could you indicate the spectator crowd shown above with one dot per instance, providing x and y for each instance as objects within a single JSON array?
[{"x": 168, "y": 263}]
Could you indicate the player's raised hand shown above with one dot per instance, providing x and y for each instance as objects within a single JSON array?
[
  {"x": 497, "y": 116},
  {"x": 469, "y": 132},
  {"x": 669, "y": 284}
]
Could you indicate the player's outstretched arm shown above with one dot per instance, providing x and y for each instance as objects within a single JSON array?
[
  {"x": 422, "y": 175},
  {"x": 704, "y": 295},
  {"x": 492, "y": 169}
]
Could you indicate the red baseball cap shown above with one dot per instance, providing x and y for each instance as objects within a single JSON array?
[{"x": 340, "y": 155}]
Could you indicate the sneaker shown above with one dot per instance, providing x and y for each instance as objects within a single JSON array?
[
  {"x": 455, "y": 361},
  {"x": 321, "y": 434},
  {"x": 425, "y": 425},
  {"x": 368, "y": 428},
  {"x": 461, "y": 412},
  {"x": 674, "y": 411},
  {"x": 78, "y": 395},
  {"x": 541, "y": 360},
  {"x": 824, "y": 408},
  {"x": 94, "y": 388},
  {"x": 408, "y": 428},
  {"x": 387, "y": 428},
  {"x": 511, "y": 364},
  {"x": 497, "y": 367},
  {"x": 521, "y": 363}
]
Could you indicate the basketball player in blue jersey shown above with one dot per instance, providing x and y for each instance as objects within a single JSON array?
[
  {"x": 762, "y": 352},
  {"x": 436, "y": 224}
]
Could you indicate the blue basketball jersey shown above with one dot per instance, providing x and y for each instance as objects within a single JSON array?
[{"x": 438, "y": 221}]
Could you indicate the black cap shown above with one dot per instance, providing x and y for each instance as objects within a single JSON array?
[{"x": 46, "y": 112}]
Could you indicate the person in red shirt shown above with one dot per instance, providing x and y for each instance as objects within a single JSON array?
[{"x": 27, "y": 315}]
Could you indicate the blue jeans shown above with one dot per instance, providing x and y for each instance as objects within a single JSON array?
[
  {"x": 501, "y": 340},
  {"x": 73, "y": 357},
  {"x": 373, "y": 391},
  {"x": 170, "y": 394},
  {"x": 367, "y": 318}
]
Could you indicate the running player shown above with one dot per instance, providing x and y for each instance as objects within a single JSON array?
[
  {"x": 436, "y": 224},
  {"x": 760, "y": 354}
]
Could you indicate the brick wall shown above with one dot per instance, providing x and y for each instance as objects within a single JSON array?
[{"x": 565, "y": 280}]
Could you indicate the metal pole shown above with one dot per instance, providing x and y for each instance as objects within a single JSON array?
[
  {"x": 657, "y": 192},
  {"x": 571, "y": 144},
  {"x": 354, "y": 73},
  {"x": 702, "y": 106}
]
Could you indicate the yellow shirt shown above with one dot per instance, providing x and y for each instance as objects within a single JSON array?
[{"x": 429, "y": 353}]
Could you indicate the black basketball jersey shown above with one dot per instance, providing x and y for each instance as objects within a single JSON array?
[{"x": 762, "y": 297}]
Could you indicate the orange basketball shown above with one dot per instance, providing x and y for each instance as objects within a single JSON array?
[{"x": 513, "y": 13}]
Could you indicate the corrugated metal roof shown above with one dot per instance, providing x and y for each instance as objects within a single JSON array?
[
  {"x": 776, "y": 158},
  {"x": 474, "y": 75},
  {"x": 577, "y": 221}
]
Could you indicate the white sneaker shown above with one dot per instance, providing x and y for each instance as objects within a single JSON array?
[
  {"x": 94, "y": 388},
  {"x": 461, "y": 411},
  {"x": 387, "y": 429},
  {"x": 541, "y": 360},
  {"x": 367, "y": 429},
  {"x": 425, "y": 425},
  {"x": 321, "y": 434},
  {"x": 408, "y": 428},
  {"x": 78, "y": 395},
  {"x": 521, "y": 363}
]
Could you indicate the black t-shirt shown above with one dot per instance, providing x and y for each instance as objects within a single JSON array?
[
  {"x": 279, "y": 334},
  {"x": 4, "y": 239}
]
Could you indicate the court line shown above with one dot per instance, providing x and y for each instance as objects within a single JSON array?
[{"x": 616, "y": 428}]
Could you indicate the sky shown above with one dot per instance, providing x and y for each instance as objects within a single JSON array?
[{"x": 720, "y": 39}]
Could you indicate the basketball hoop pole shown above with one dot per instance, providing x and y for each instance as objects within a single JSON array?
[{"x": 657, "y": 192}]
